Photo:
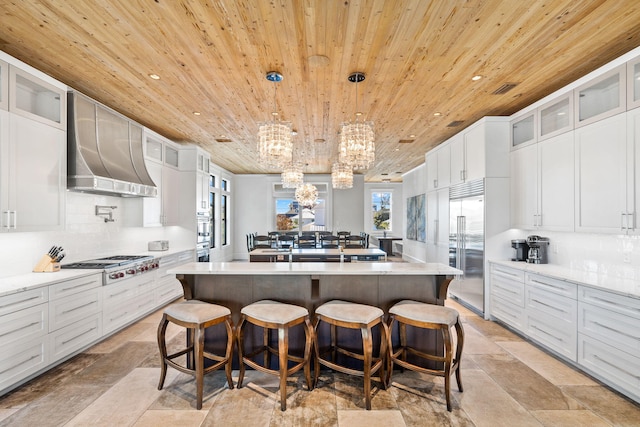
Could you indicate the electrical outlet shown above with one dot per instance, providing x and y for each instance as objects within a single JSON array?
[{"x": 554, "y": 248}]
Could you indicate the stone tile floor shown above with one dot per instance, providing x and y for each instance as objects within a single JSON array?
[{"x": 507, "y": 382}]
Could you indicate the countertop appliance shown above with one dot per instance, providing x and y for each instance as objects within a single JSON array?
[
  {"x": 119, "y": 267},
  {"x": 466, "y": 242},
  {"x": 522, "y": 249},
  {"x": 538, "y": 249}
]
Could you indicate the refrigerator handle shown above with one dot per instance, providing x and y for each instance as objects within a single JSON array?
[{"x": 463, "y": 242}]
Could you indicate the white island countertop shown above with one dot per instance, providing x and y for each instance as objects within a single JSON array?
[
  {"x": 618, "y": 285},
  {"x": 316, "y": 268}
]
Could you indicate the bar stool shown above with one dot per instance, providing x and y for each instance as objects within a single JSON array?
[
  {"x": 196, "y": 316},
  {"x": 350, "y": 315},
  {"x": 268, "y": 315},
  {"x": 428, "y": 316}
]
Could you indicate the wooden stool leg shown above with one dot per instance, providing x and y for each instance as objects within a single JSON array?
[
  {"x": 283, "y": 351},
  {"x": 367, "y": 350},
  {"x": 229, "y": 352},
  {"x": 265, "y": 344},
  {"x": 316, "y": 362},
  {"x": 334, "y": 342},
  {"x": 162, "y": 344},
  {"x": 446, "y": 335},
  {"x": 403, "y": 343},
  {"x": 240, "y": 341},
  {"x": 384, "y": 355},
  {"x": 460, "y": 344},
  {"x": 198, "y": 354},
  {"x": 308, "y": 334}
]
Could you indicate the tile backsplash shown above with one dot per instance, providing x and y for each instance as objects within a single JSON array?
[
  {"x": 614, "y": 255},
  {"x": 86, "y": 236}
]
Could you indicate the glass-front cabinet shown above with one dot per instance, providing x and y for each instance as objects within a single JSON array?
[
  {"x": 4, "y": 85},
  {"x": 556, "y": 117},
  {"x": 523, "y": 130},
  {"x": 633, "y": 83},
  {"x": 602, "y": 97},
  {"x": 36, "y": 99}
]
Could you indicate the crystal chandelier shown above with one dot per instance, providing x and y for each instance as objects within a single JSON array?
[
  {"x": 357, "y": 146},
  {"x": 274, "y": 137},
  {"x": 292, "y": 175},
  {"x": 307, "y": 195},
  {"x": 341, "y": 176}
]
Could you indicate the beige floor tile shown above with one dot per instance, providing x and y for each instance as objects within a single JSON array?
[
  {"x": 569, "y": 419},
  {"x": 476, "y": 343},
  {"x": 171, "y": 418},
  {"x": 549, "y": 367},
  {"x": 487, "y": 404},
  {"x": 5, "y": 413},
  {"x": 125, "y": 402},
  {"x": 373, "y": 418},
  {"x": 349, "y": 391},
  {"x": 607, "y": 404}
]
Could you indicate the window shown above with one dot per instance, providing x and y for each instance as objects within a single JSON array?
[
  {"x": 290, "y": 217},
  {"x": 381, "y": 210},
  {"x": 224, "y": 185},
  {"x": 212, "y": 209}
]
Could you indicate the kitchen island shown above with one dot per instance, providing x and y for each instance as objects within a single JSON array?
[{"x": 310, "y": 284}]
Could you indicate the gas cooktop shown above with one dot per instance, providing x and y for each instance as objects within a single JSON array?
[
  {"x": 107, "y": 262},
  {"x": 118, "y": 267}
]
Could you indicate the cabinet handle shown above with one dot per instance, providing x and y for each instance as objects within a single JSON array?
[
  {"x": 508, "y": 290},
  {"x": 19, "y": 302},
  {"x": 462, "y": 175},
  {"x": 549, "y": 285},
  {"x": 79, "y": 307},
  {"x": 547, "y": 305},
  {"x": 78, "y": 336},
  {"x": 119, "y": 293},
  {"x": 508, "y": 273},
  {"x": 20, "y": 363},
  {"x": 546, "y": 333},
  {"x": 76, "y": 286},
  {"x": 8, "y": 221},
  {"x": 618, "y": 331},
  {"x": 622, "y": 221},
  {"x": 614, "y": 304},
  {"x": 435, "y": 183},
  {"x": 595, "y": 356},
  {"x": 18, "y": 329}
]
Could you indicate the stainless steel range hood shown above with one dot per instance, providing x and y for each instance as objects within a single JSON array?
[{"x": 104, "y": 151}]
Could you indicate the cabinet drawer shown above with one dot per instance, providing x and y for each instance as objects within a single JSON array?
[
  {"x": 559, "y": 287},
  {"x": 507, "y": 273},
  {"x": 552, "y": 304},
  {"x": 21, "y": 360},
  {"x": 114, "y": 295},
  {"x": 75, "y": 337},
  {"x": 557, "y": 334},
  {"x": 24, "y": 325},
  {"x": 610, "y": 301},
  {"x": 615, "y": 367},
  {"x": 117, "y": 316},
  {"x": 509, "y": 290},
  {"x": 70, "y": 287},
  {"x": 167, "y": 291},
  {"x": 21, "y": 300},
  {"x": 618, "y": 330},
  {"x": 65, "y": 311},
  {"x": 507, "y": 312}
]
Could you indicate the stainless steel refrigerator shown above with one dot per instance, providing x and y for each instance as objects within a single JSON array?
[{"x": 466, "y": 242}]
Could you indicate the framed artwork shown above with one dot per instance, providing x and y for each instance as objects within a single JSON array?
[{"x": 416, "y": 219}]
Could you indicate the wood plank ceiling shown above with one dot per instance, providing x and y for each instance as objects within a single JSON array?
[{"x": 418, "y": 56}]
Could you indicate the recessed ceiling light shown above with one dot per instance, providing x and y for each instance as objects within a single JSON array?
[
  {"x": 397, "y": 149},
  {"x": 196, "y": 113},
  {"x": 476, "y": 78},
  {"x": 154, "y": 76},
  {"x": 437, "y": 114},
  {"x": 412, "y": 136}
]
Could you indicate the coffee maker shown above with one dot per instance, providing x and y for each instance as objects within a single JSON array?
[
  {"x": 538, "y": 249},
  {"x": 522, "y": 249}
]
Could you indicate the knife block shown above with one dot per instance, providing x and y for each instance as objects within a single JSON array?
[{"x": 46, "y": 265}]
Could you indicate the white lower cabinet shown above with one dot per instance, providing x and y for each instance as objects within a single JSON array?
[
  {"x": 609, "y": 338},
  {"x": 23, "y": 335},
  {"x": 127, "y": 301},
  {"x": 76, "y": 336},
  {"x": 551, "y": 308},
  {"x": 507, "y": 296}
]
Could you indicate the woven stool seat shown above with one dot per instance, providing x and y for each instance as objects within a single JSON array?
[
  {"x": 196, "y": 316},
  {"x": 349, "y": 315},
  {"x": 274, "y": 315},
  {"x": 427, "y": 316}
]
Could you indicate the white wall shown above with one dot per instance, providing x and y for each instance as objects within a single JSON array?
[{"x": 414, "y": 183}]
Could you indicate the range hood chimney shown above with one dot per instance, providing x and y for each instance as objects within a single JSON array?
[{"x": 104, "y": 151}]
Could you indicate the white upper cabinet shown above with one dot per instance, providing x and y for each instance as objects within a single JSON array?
[
  {"x": 36, "y": 99},
  {"x": 438, "y": 167},
  {"x": 602, "y": 97},
  {"x": 481, "y": 150},
  {"x": 33, "y": 174},
  {"x": 555, "y": 117},
  {"x": 633, "y": 83},
  {"x": 524, "y": 188},
  {"x": 601, "y": 176},
  {"x": 632, "y": 221},
  {"x": 4, "y": 85},
  {"x": 523, "y": 130},
  {"x": 556, "y": 183}
]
